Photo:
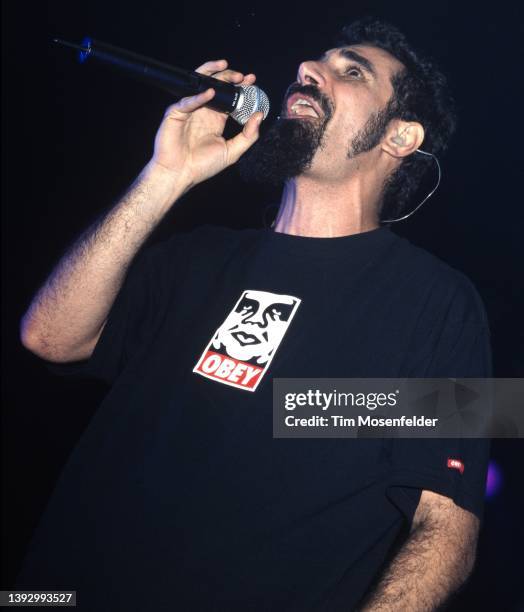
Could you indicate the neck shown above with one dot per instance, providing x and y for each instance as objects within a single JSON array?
[{"x": 317, "y": 210}]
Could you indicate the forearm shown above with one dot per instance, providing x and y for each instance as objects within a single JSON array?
[
  {"x": 67, "y": 315},
  {"x": 69, "y": 311},
  {"x": 419, "y": 579},
  {"x": 433, "y": 563}
]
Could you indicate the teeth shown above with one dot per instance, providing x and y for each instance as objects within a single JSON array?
[{"x": 301, "y": 102}]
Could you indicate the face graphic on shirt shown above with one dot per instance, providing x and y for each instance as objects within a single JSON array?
[
  {"x": 241, "y": 349},
  {"x": 256, "y": 326}
]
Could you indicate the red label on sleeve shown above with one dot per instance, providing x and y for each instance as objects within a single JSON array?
[{"x": 455, "y": 464}]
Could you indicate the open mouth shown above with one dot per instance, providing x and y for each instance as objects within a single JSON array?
[
  {"x": 300, "y": 105},
  {"x": 245, "y": 339}
]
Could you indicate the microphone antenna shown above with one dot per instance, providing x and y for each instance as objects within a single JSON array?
[
  {"x": 65, "y": 43},
  {"x": 238, "y": 101}
]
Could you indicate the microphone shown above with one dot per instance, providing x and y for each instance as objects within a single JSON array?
[{"x": 238, "y": 101}]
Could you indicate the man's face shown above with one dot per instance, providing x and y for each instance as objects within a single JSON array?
[
  {"x": 256, "y": 326},
  {"x": 335, "y": 111}
]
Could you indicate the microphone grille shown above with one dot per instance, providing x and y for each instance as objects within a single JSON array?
[{"x": 253, "y": 101}]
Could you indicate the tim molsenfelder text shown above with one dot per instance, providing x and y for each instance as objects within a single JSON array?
[
  {"x": 337, "y": 420},
  {"x": 371, "y": 401}
]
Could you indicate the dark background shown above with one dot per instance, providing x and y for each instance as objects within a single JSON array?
[{"x": 75, "y": 136}]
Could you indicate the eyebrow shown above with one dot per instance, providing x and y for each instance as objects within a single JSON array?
[{"x": 349, "y": 54}]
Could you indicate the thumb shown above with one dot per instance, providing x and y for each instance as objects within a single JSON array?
[{"x": 238, "y": 145}]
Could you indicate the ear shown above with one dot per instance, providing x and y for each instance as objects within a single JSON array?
[{"x": 403, "y": 138}]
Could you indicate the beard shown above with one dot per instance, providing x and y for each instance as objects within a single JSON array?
[
  {"x": 369, "y": 136},
  {"x": 287, "y": 149}
]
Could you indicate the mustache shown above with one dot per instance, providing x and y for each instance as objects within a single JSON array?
[{"x": 314, "y": 93}]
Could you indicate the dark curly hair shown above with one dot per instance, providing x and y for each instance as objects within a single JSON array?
[{"x": 420, "y": 93}]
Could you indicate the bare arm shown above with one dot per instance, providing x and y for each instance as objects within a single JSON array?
[
  {"x": 433, "y": 563},
  {"x": 67, "y": 315}
]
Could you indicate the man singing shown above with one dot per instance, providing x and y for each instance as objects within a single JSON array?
[{"x": 177, "y": 496}]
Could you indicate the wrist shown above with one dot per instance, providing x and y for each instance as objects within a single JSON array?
[{"x": 167, "y": 183}]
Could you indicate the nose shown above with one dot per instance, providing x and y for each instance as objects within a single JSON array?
[
  {"x": 257, "y": 318},
  {"x": 310, "y": 73}
]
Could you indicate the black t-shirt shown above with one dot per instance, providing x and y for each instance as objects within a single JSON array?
[{"x": 179, "y": 498}]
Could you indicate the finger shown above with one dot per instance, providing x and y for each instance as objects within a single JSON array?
[
  {"x": 230, "y": 76},
  {"x": 249, "y": 79},
  {"x": 190, "y": 104},
  {"x": 238, "y": 145},
  {"x": 212, "y": 66}
]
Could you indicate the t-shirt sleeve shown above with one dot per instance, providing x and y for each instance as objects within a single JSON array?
[
  {"x": 451, "y": 341},
  {"x": 151, "y": 281}
]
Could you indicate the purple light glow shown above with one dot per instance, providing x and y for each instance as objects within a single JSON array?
[
  {"x": 494, "y": 480},
  {"x": 83, "y": 55}
]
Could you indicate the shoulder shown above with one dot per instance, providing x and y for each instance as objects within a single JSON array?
[
  {"x": 201, "y": 242},
  {"x": 441, "y": 286},
  {"x": 214, "y": 237}
]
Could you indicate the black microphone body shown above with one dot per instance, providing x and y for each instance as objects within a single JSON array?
[{"x": 238, "y": 101}]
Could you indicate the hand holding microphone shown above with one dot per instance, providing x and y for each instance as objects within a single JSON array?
[
  {"x": 189, "y": 142},
  {"x": 73, "y": 306}
]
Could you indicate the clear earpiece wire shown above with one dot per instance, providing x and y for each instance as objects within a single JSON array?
[{"x": 426, "y": 198}]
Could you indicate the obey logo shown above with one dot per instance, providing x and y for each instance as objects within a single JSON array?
[
  {"x": 231, "y": 371},
  {"x": 455, "y": 464},
  {"x": 240, "y": 351}
]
